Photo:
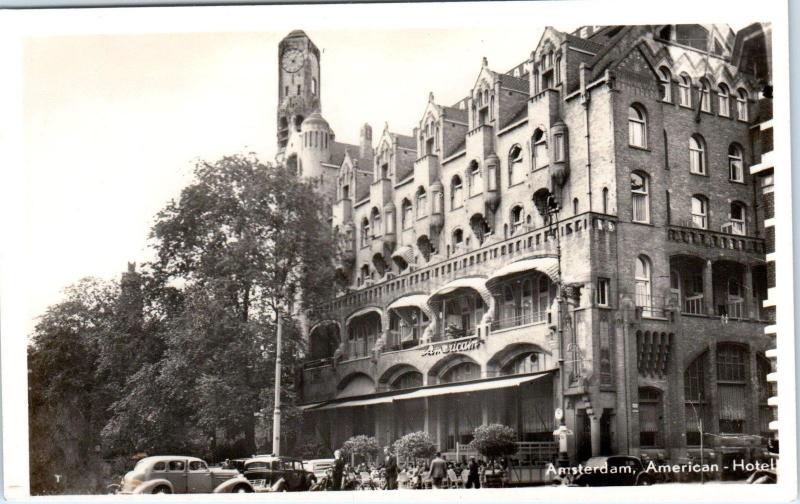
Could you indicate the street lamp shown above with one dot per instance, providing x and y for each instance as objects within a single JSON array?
[{"x": 549, "y": 208}]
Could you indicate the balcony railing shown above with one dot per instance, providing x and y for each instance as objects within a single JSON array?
[
  {"x": 434, "y": 275},
  {"x": 694, "y": 305},
  {"x": 648, "y": 306},
  {"x": 715, "y": 239},
  {"x": 519, "y": 320},
  {"x": 733, "y": 310}
]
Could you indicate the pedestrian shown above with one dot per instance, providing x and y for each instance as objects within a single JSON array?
[
  {"x": 438, "y": 471},
  {"x": 338, "y": 469},
  {"x": 390, "y": 466},
  {"x": 473, "y": 475}
]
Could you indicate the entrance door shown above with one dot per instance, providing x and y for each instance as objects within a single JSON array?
[
  {"x": 606, "y": 441},
  {"x": 583, "y": 429}
]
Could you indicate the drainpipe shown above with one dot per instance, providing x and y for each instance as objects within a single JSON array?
[{"x": 585, "y": 98}]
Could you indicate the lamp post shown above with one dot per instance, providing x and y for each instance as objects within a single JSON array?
[
  {"x": 549, "y": 209},
  {"x": 276, "y": 414}
]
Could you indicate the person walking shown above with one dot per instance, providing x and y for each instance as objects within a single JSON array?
[
  {"x": 473, "y": 474},
  {"x": 438, "y": 470},
  {"x": 390, "y": 466},
  {"x": 338, "y": 470}
]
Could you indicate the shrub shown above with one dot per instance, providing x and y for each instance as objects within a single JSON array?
[
  {"x": 494, "y": 441},
  {"x": 361, "y": 446},
  {"x": 415, "y": 445}
]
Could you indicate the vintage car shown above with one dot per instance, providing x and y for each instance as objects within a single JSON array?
[
  {"x": 620, "y": 470},
  {"x": 181, "y": 474},
  {"x": 270, "y": 473},
  {"x": 318, "y": 466}
]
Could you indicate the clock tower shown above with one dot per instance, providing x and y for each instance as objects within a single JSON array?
[{"x": 298, "y": 85}]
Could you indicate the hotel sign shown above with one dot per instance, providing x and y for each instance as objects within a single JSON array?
[{"x": 446, "y": 348}]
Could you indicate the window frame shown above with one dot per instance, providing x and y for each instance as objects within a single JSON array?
[
  {"x": 700, "y": 219},
  {"x": 637, "y": 124},
  {"x": 665, "y": 83},
  {"x": 515, "y": 166},
  {"x": 698, "y": 153},
  {"x": 724, "y": 100},
  {"x": 735, "y": 153},
  {"x": 456, "y": 192},
  {"x": 644, "y": 194},
  {"x": 685, "y": 90}
]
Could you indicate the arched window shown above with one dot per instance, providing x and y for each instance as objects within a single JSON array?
[
  {"x": 407, "y": 214},
  {"x": 364, "y": 274},
  {"x": 544, "y": 297},
  {"x": 642, "y": 277},
  {"x": 422, "y": 203},
  {"x": 697, "y": 155},
  {"x": 475, "y": 179},
  {"x": 462, "y": 372},
  {"x": 377, "y": 228},
  {"x": 735, "y": 163},
  {"x": 640, "y": 194},
  {"x": 456, "y": 193},
  {"x": 705, "y": 96},
  {"x": 575, "y": 206},
  {"x": 741, "y": 104},
  {"x": 699, "y": 212},
  {"x": 637, "y": 126},
  {"x": 314, "y": 86},
  {"x": 540, "y": 156},
  {"x": 410, "y": 379},
  {"x": 557, "y": 70},
  {"x": 365, "y": 236},
  {"x": 525, "y": 363},
  {"x": 738, "y": 224},
  {"x": 651, "y": 418},
  {"x": 515, "y": 172},
  {"x": 517, "y": 219},
  {"x": 665, "y": 83},
  {"x": 724, "y": 100},
  {"x": 605, "y": 200},
  {"x": 685, "y": 85},
  {"x": 458, "y": 237}
]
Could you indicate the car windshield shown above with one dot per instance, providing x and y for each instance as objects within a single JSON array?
[
  {"x": 597, "y": 462},
  {"x": 256, "y": 466}
]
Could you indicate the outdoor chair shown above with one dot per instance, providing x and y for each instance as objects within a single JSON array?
[
  {"x": 452, "y": 479},
  {"x": 403, "y": 480},
  {"x": 366, "y": 481}
]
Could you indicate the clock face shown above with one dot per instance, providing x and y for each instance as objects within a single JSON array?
[{"x": 292, "y": 60}]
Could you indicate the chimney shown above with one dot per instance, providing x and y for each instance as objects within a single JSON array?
[{"x": 365, "y": 151}]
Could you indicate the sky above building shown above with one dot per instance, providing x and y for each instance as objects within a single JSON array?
[
  {"x": 116, "y": 114},
  {"x": 114, "y": 123}
]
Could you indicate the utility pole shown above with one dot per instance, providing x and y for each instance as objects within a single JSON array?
[{"x": 276, "y": 415}]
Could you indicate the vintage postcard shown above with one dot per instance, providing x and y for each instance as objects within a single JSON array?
[{"x": 442, "y": 251}]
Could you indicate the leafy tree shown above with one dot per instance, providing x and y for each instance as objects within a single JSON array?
[
  {"x": 245, "y": 241},
  {"x": 66, "y": 401},
  {"x": 415, "y": 445},
  {"x": 494, "y": 441},
  {"x": 361, "y": 446}
]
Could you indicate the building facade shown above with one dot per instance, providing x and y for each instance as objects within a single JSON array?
[{"x": 581, "y": 239}]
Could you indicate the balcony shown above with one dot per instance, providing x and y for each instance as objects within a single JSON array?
[
  {"x": 707, "y": 239},
  {"x": 475, "y": 262},
  {"x": 536, "y": 317}
]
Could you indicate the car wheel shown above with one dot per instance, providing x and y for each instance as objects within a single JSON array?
[
  {"x": 242, "y": 489},
  {"x": 163, "y": 489},
  {"x": 644, "y": 482}
]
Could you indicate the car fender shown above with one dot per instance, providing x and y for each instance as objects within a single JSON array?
[
  {"x": 148, "y": 486},
  {"x": 227, "y": 486}
]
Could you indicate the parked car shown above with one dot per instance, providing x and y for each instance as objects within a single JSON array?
[
  {"x": 620, "y": 470},
  {"x": 318, "y": 466},
  {"x": 181, "y": 474},
  {"x": 276, "y": 473}
]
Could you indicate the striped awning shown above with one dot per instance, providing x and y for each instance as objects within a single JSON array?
[
  {"x": 476, "y": 283},
  {"x": 476, "y": 386},
  {"x": 546, "y": 265},
  {"x": 406, "y": 252}
]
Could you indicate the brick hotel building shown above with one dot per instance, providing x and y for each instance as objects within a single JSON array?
[{"x": 583, "y": 234}]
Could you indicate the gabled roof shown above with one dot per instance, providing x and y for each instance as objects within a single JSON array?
[
  {"x": 455, "y": 114},
  {"x": 457, "y": 147},
  {"x": 519, "y": 112},
  {"x": 515, "y": 83},
  {"x": 405, "y": 141},
  {"x": 338, "y": 150}
]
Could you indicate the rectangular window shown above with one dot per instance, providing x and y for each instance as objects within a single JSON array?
[
  {"x": 602, "y": 291},
  {"x": 558, "y": 145},
  {"x": 640, "y": 208}
]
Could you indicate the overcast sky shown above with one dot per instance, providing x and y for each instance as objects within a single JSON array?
[{"x": 114, "y": 122}]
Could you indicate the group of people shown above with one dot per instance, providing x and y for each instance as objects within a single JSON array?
[{"x": 436, "y": 471}]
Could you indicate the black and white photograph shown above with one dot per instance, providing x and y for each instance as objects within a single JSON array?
[{"x": 440, "y": 251}]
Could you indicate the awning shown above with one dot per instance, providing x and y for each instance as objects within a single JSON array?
[
  {"x": 546, "y": 265},
  {"x": 406, "y": 253},
  {"x": 357, "y": 402},
  {"x": 412, "y": 301},
  {"x": 476, "y": 386},
  {"x": 477, "y": 283},
  {"x": 308, "y": 406}
]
